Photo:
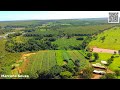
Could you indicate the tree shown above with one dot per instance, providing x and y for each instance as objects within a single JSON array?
[
  {"x": 66, "y": 75},
  {"x": 89, "y": 55},
  {"x": 115, "y": 40},
  {"x": 52, "y": 39},
  {"x": 80, "y": 38},
  {"x": 87, "y": 73},
  {"x": 108, "y": 76},
  {"x": 109, "y": 61},
  {"x": 115, "y": 52},
  {"x": 96, "y": 56},
  {"x": 119, "y": 52},
  {"x": 69, "y": 36},
  {"x": 55, "y": 71},
  {"x": 103, "y": 38},
  {"x": 77, "y": 63},
  {"x": 43, "y": 75},
  {"x": 117, "y": 72},
  {"x": 54, "y": 46}
]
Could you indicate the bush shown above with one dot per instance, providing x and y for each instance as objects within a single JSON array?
[
  {"x": 52, "y": 39},
  {"x": 109, "y": 61},
  {"x": 79, "y": 38},
  {"x": 108, "y": 76},
  {"x": 117, "y": 72},
  {"x": 66, "y": 75},
  {"x": 89, "y": 55},
  {"x": 87, "y": 73},
  {"x": 96, "y": 56}
]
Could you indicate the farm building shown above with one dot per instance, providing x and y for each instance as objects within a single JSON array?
[
  {"x": 98, "y": 65},
  {"x": 104, "y": 62},
  {"x": 99, "y": 72}
]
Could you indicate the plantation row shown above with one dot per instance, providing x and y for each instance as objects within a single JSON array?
[
  {"x": 44, "y": 60},
  {"x": 85, "y": 30}
]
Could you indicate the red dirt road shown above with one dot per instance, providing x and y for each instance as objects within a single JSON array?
[
  {"x": 104, "y": 50},
  {"x": 25, "y": 62}
]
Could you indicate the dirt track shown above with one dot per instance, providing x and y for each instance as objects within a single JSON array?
[
  {"x": 104, "y": 50},
  {"x": 25, "y": 62}
]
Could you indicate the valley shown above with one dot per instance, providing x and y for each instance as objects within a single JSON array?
[{"x": 59, "y": 49}]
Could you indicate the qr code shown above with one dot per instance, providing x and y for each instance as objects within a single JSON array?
[{"x": 113, "y": 17}]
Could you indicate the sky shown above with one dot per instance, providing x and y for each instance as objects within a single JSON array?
[{"x": 44, "y": 15}]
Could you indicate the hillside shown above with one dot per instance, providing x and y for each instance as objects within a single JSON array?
[{"x": 109, "y": 39}]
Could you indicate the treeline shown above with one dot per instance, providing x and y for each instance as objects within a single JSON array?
[
  {"x": 30, "y": 45},
  {"x": 3, "y": 31},
  {"x": 14, "y": 26},
  {"x": 81, "y": 34},
  {"x": 14, "y": 35},
  {"x": 100, "y": 31},
  {"x": 37, "y": 35}
]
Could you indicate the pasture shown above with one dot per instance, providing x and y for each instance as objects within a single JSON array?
[
  {"x": 65, "y": 43},
  {"x": 111, "y": 39}
]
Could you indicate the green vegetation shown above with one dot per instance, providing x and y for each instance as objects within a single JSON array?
[
  {"x": 61, "y": 48},
  {"x": 7, "y": 58},
  {"x": 108, "y": 76},
  {"x": 42, "y": 61},
  {"x": 111, "y": 39},
  {"x": 64, "y": 43}
]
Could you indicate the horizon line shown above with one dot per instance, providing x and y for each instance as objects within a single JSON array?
[{"x": 50, "y": 19}]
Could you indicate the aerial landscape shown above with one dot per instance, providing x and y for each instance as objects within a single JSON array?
[{"x": 58, "y": 48}]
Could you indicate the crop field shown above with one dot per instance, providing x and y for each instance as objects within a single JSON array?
[
  {"x": 56, "y": 48},
  {"x": 66, "y": 43},
  {"x": 45, "y": 59},
  {"x": 85, "y": 29},
  {"x": 111, "y": 40},
  {"x": 76, "y": 55}
]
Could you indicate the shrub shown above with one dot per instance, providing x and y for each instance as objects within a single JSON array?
[
  {"x": 108, "y": 76},
  {"x": 79, "y": 38},
  {"x": 87, "y": 73},
  {"x": 66, "y": 74}
]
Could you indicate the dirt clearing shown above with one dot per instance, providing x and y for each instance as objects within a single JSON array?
[{"x": 104, "y": 50}]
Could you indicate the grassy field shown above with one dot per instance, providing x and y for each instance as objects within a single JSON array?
[
  {"x": 111, "y": 41},
  {"x": 85, "y": 29},
  {"x": 103, "y": 56},
  {"x": 115, "y": 65},
  {"x": 65, "y": 43},
  {"x": 29, "y": 22}
]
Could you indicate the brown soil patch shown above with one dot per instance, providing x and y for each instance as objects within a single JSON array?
[
  {"x": 96, "y": 76},
  {"x": 109, "y": 71}
]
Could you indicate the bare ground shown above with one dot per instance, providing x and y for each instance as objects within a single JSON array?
[
  {"x": 25, "y": 62},
  {"x": 95, "y": 49}
]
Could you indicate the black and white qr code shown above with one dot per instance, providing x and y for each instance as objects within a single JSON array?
[{"x": 113, "y": 17}]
